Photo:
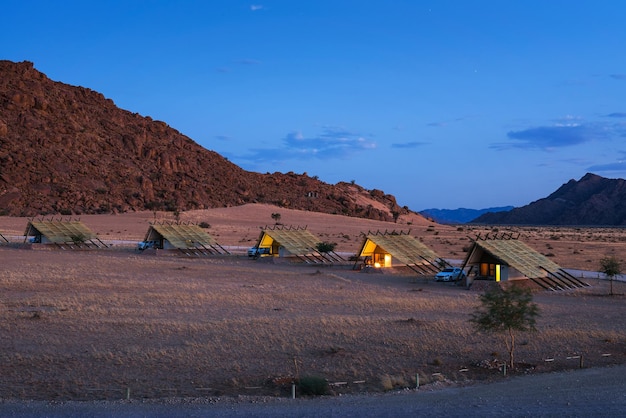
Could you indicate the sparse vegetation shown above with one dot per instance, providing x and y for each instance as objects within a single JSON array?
[
  {"x": 78, "y": 239},
  {"x": 276, "y": 217},
  {"x": 506, "y": 311},
  {"x": 174, "y": 326},
  {"x": 313, "y": 386},
  {"x": 610, "y": 267},
  {"x": 325, "y": 247}
]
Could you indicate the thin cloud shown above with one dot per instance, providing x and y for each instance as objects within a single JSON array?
[
  {"x": 332, "y": 143},
  {"x": 570, "y": 133},
  {"x": 618, "y": 76},
  {"x": 616, "y": 166},
  {"x": 255, "y": 7},
  {"x": 446, "y": 123},
  {"x": 616, "y": 115},
  {"x": 547, "y": 137},
  {"x": 248, "y": 61},
  {"x": 223, "y": 137},
  {"x": 405, "y": 145}
]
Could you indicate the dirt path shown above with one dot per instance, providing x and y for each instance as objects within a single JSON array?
[{"x": 580, "y": 393}]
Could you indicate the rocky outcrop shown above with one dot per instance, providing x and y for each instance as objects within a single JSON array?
[{"x": 69, "y": 150}]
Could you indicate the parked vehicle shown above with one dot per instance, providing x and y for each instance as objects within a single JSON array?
[
  {"x": 450, "y": 274},
  {"x": 256, "y": 251},
  {"x": 144, "y": 245}
]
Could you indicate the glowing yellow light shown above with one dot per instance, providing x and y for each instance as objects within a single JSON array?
[{"x": 377, "y": 265}]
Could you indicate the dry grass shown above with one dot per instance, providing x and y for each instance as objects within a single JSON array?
[{"x": 94, "y": 324}]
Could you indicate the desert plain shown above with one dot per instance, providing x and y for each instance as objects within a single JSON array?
[{"x": 118, "y": 324}]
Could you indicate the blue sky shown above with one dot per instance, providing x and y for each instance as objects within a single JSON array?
[{"x": 444, "y": 104}]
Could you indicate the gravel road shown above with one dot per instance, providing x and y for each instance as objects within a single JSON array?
[{"x": 599, "y": 392}]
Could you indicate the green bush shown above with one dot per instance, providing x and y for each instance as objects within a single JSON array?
[
  {"x": 313, "y": 385},
  {"x": 326, "y": 247}
]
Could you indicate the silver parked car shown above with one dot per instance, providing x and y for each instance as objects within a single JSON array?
[{"x": 450, "y": 274}]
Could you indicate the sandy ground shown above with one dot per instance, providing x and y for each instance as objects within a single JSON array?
[{"x": 89, "y": 325}]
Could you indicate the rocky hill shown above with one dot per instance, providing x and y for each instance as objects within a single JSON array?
[
  {"x": 69, "y": 150},
  {"x": 592, "y": 200}
]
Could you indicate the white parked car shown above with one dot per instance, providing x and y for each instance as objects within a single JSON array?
[{"x": 450, "y": 274}]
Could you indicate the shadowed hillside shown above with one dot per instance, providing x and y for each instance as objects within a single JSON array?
[
  {"x": 592, "y": 200},
  {"x": 70, "y": 150}
]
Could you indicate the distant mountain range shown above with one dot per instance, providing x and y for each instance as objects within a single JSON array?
[
  {"x": 593, "y": 200},
  {"x": 459, "y": 216}
]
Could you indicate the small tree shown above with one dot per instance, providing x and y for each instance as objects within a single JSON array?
[
  {"x": 276, "y": 217},
  {"x": 611, "y": 268},
  {"x": 505, "y": 311}
]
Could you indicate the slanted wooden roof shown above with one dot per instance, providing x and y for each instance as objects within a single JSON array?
[
  {"x": 184, "y": 237},
  {"x": 298, "y": 242},
  {"x": 405, "y": 248},
  {"x": 59, "y": 231},
  {"x": 518, "y": 255}
]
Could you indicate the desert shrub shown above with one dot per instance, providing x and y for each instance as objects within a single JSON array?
[
  {"x": 388, "y": 382},
  {"x": 385, "y": 382},
  {"x": 313, "y": 385},
  {"x": 204, "y": 225},
  {"x": 78, "y": 239},
  {"x": 325, "y": 247}
]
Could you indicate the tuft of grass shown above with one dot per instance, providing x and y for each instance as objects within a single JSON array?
[{"x": 389, "y": 382}]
